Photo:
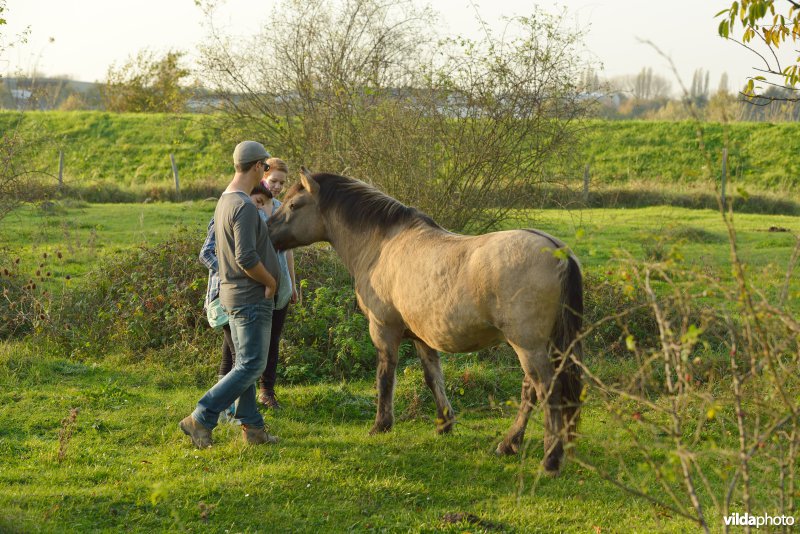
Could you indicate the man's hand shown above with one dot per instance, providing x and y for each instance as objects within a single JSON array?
[
  {"x": 295, "y": 295},
  {"x": 260, "y": 274},
  {"x": 269, "y": 292}
]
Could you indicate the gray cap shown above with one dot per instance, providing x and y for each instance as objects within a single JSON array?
[{"x": 248, "y": 151}]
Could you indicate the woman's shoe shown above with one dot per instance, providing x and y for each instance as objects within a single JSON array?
[{"x": 268, "y": 399}]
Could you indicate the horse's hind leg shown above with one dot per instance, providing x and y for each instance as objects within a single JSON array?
[
  {"x": 386, "y": 340},
  {"x": 539, "y": 377},
  {"x": 435, "y": 380},
  {"x": 513, "y": 440}
]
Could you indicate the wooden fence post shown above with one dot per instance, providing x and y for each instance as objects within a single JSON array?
[
  {"x": 586, "y": 184},
  {"x": 724, "y": 175},
  {"x": 60, "y": 169},
  {"x": 175, "y": 174}
]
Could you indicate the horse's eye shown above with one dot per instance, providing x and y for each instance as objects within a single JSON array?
[{"x": 292, "y": 206}]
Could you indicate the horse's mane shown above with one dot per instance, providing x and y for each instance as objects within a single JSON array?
[{"x": 361, "y": 205}]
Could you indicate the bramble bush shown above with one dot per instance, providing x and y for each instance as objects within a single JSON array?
[
  {"x": 326, "y": 336},
  {"x": 148, "y": 298},
  {"x": 26, "y": 305}
]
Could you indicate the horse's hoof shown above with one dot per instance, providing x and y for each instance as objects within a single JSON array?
[
  {"x": 379, "y": 429},
  {"x": 552, "y": 463},
  {"x": 445, "y": 428},
  {"x": 506, "y": 449},
  {"x": 552, "y": 474}
]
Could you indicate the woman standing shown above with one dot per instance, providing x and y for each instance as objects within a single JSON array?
[
  {"x": 208, "y": 257},
  {"x": 275, "y": 180}
]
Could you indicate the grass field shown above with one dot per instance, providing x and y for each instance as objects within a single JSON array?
[
  {"x": 90, "y": 231},
  {"x": 131, "y": 151},
  {"x": 126, "y": 466}
]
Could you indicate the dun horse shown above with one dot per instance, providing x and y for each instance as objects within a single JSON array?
[{"x": 450, "y": 293}]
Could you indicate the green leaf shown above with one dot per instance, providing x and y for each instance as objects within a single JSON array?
[
  {"x": 692, "y": 334},
  {"x": 561, "y": 254},
  {"x": 724, "y": 29}
]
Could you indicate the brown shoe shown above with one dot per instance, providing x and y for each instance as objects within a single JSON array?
[
  {"x": 201, "y": 436},
  {"x": 268, "y": 399},
  {"x": 257, "y": 435}
]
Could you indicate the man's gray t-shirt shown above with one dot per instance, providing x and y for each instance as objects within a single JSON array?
[{"x": 242, "y": 241}]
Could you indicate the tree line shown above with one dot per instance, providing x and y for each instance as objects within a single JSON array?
[{"x": 163, "y": 83}]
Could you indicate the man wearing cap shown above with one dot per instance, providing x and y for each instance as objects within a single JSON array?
[{"x": 248, "y": 271}]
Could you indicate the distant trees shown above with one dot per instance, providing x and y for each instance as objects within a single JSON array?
[
  {"x": 147, "y": 83},
  {"x": 649, "y": 86},
  {"x": 12, "y": 182},
  {"x": 698, "y": 92}
]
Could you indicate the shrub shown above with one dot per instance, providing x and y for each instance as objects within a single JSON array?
[
  {"x": 25, "y": 305},
  {"x": 17, "y": 307},
  {"x": 326, "y": 336},
  {"x": 710, "y": 390},
  {"x": 147, "y": 299}
]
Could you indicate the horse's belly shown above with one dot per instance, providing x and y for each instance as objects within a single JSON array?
[{"x": 456, "y": 339}]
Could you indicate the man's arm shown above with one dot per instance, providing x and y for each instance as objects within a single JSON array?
[{"x": 244, "y": 229}]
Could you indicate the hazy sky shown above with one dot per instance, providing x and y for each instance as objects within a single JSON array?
[{"x": 88, "y": 35}]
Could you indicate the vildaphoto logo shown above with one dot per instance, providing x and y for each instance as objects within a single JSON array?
[{"x": 744, "y": 520}]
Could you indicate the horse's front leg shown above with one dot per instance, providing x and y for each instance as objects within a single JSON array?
[
  {"x": 387, "y": 340},
  {"x": 435, "y": 380}
]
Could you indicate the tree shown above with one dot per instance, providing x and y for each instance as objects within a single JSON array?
[
  {"x": 13, "y": 177},
  {"x": 450, "y": 126},
  {"x": 698, "y": 93},
  {"x": 723, "y": 84},
  {"x": 645, "y": 85},
  {"x": 767, "y": 28},
  {"x": 147, "y": 83}
]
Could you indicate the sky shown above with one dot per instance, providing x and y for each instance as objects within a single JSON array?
[{"x": 89, "y": 35}]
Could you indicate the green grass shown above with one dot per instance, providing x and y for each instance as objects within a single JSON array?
[
  {"x": 131, "y": 151},
  {"x": 85, "y": 234},
  {"x": 759, "y": 154},
  {"x": 127, "y": 466},
  {"x": 596, "y": 234}
]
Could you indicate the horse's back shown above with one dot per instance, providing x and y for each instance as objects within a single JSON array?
[{"x": 461, "y": 293}]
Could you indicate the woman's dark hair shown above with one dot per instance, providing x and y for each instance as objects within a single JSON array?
[{"x": 261, "y": 190}]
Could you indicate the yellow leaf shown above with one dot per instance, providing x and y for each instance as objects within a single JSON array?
[
  {"x": 628, "y": 289},
  {"x": 630, "y": 343}
]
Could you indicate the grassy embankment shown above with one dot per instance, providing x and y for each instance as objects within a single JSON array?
[
  {"x": 127, "y": 466},
  {"x": 125, "y": 157}
]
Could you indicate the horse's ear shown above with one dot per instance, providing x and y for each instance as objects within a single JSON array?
[{"x": 309, "y": 183}]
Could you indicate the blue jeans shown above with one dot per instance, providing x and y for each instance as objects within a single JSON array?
[{"x": 251, "y": 325}]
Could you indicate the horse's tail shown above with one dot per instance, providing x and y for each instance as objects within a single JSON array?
[{"x": 567, "y": 345}]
